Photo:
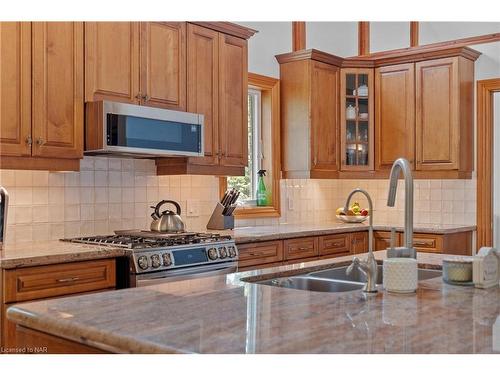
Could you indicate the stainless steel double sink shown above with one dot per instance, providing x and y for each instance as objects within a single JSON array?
[{"x": 336, "y": 280}]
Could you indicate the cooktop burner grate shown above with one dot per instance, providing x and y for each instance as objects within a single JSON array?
[{"x": 149, "y": 241}]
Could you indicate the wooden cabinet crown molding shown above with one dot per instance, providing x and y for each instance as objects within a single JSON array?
[
  {"x": 413, "y": 54},
  {"x": 410, "y": 55},
  {"x": 310, "y": 54},
  {"x": 229, "y": 28}
]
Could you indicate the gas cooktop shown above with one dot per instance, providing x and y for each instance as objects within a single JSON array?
[{"x": 150, "y": 240}]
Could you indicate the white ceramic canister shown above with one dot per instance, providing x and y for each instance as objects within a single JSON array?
[{"x": 400, "y": 275}]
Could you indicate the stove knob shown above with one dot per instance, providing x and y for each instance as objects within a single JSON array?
[
  {"x": 155, "y": 261},
  {"x": 167, "y": 261},
  {"x": 232, "y": 252},
  {"x": 212, "y": 253},
  {"x": 222, "y": 252},
  {"x": 143, "y": 262}
]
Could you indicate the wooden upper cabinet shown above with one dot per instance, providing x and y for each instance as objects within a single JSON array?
[
  {"x": 394, "y": 114},
  {"x": 357, "y": 119},
  {"x": 15, "y": 88},
  {"x": 57, "y": 66},
  {"x": 444, "y": 110},
  {"x": 324, "y": 116},
  {"x": 163, "y": 64},
  {"x": 310, "y": 104},
  {"x": 233, "y": 108},
  {"x": 203, "y": 86},
  {"x": 112, "y": 61}
]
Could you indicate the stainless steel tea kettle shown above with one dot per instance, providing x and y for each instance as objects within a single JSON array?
[{"x": 167, "y": 221}]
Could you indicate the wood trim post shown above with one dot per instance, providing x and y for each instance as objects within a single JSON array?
[
  {"x": 484, "y": 205},
  {"x": 414, "y": 28},
  {"x": 363, "y": 38},
  {"x": 298, "y": 36}
]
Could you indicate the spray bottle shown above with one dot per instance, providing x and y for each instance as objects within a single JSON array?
[{"x": 261, "y": 189}]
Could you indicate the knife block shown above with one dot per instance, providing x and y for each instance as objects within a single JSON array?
[{"x": 218, "y": 221}]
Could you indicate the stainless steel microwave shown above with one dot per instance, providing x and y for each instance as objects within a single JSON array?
[{"x": 139, "y": 131}]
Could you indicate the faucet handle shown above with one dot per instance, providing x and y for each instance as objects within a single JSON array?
[{"x": 355, "y": 263}]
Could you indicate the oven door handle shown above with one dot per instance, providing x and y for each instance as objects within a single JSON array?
[{"x": 182, "y": 274}]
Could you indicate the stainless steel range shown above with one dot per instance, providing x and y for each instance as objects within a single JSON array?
[{"x": 157, "y": 257}]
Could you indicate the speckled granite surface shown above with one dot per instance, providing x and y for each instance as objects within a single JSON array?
[
  {"x": 282, "y": 231},
  {"x": 227, "y": 315},
  {"x": 51, "y": 252}
]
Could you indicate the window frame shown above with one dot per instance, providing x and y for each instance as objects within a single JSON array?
[{"x": 270, "y": 104}]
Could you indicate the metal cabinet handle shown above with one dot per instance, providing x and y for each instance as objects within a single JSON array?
[
  {"x": 303, "y": 248},
  {"x": 40, "y": 141},
  {"x": 29, "y": 140},
  {"x": 146, "y": 97},
  {"x": 139, "y": 96},
  {"x": 423, "y": 243},
  {"x": 69, "y": 279},
  {"x": 256, "y": 254}
]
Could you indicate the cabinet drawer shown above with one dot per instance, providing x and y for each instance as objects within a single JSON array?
[
  {"x": 337, "y": 244},
  {"x": 427, "y": 243},
  {"x": 300, "y": 248},
  {"x": 30, "y": 283},
  {"x": 260, "y": 253},
  {"x": 382, "y": 240}
]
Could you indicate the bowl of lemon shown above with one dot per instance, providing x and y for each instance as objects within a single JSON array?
[{"x": 355, "y": 214}]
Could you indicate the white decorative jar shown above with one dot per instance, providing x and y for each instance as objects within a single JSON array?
[{"x": 400, "y": 275}]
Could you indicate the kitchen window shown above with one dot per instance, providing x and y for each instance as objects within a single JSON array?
[
  {"x": 263, "y": 150},
  {"x": 247, "y": 184}
]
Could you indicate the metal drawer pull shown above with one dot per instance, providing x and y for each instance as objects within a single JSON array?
[
  {"x": 69, "y": 279},
  {"x": 304, "y": 248},
  {"x": 256, "y": 254},
  {"x": 423, "y": 243}
]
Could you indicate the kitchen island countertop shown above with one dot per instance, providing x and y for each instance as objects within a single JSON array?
[{"x": 227, "y": 314}]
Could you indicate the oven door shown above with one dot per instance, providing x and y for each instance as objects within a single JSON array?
[{"x": 181, "y": 274}]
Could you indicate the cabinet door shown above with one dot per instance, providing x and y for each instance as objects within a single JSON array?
[
  {"x": 382, "y": 240},
  {"x": 58, "y": 89},
  {"x": 324, "y": 116},
  {"x": 359, "y": 242},
  {"x": 233, "y": 107},
  {"x": 112, "y": 61},
  {"x": 203, "y": 86},
  {"x": 437, "y": 115},
  {"x": 15, "y": 88},
  {"x": 163, "y": 64},
  {"x": 395, "y": 114}
]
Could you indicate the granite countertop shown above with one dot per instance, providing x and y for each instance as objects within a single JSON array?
[
  {"x": 283, "y": 231},
  {"x": 53, "y": 252},
  {"x": 226, "y": 314}
]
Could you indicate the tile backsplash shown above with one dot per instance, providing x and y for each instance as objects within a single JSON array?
[{"x": 110, "y": 193}]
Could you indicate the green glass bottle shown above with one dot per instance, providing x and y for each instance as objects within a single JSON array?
[{"x": 261, "y": 189}]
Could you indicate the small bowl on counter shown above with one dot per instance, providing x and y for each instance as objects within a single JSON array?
[
  {"x": 457, "y": 270},
  {"x": 352, "y": 219}
]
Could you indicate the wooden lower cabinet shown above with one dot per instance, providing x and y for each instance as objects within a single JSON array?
[
  {"x": 253, "y": 254},
  {"x": 304, "y": 249},
  {"x": 359, "y": 242},
  {"x": 334, "y": 245},
  {"x": 52, "y": 281},
  {"x": 450, "y": 243},
  {"x": 299, "y": 248}
]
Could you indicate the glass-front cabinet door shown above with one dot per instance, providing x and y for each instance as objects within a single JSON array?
[{"x": 356, "y": 116}]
